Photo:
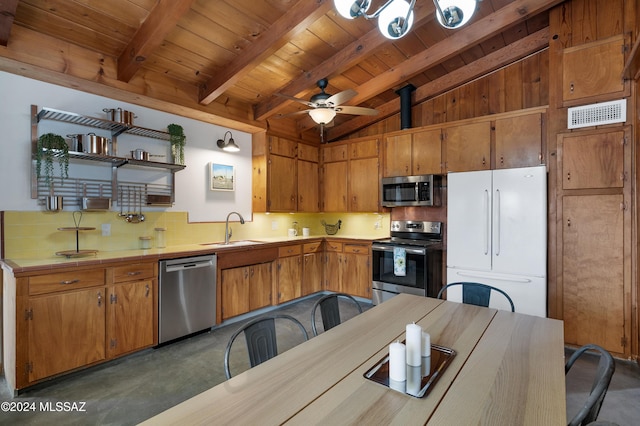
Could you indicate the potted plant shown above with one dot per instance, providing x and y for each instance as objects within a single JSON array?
[
  {"x": 52, "y": 147},
  {"x": 178, "y": 140}
]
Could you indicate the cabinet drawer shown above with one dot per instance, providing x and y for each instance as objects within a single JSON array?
[
  {"x": 289, "y": 251},
  {"x": 356, "y": 248},
  {"x": 312, "y": 247},
  {"x": 64, "y": 281},
  {"x": 136, "y": 271},
  {"x": 334, "y": 246}
]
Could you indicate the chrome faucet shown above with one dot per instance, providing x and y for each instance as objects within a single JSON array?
[{"x": 228, "y": 232}]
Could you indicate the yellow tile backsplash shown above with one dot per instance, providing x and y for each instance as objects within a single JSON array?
[{"x": 33, "y": 234}]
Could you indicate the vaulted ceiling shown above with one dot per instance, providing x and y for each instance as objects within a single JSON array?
[{"x": 225, "y": 61}]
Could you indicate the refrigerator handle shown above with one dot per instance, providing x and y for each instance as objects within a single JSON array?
[
  {"x": 487, "y": 225},
  {"x": 496, "y": 231}
]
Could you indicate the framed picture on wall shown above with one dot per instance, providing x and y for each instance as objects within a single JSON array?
[{"x": 223, "y": 177}]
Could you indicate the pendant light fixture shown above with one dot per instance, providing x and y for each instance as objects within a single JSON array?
[
  {"x": 395, "y": 17},
  {"x": 454, "y": 13}
]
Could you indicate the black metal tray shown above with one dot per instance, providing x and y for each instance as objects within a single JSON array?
[{"x": 419, "y": 381}]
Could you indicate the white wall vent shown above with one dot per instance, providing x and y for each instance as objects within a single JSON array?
[{"x": 597, "y": 114}]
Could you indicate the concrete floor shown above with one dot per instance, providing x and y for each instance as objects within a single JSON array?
[{"x": 132, "y": 389}]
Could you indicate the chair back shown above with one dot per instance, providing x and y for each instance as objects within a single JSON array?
[
  {"x": 477, "y": 294},
  {"x": 606, "y": 367},
  {"x": 261, "y": 340},
  {"x": 330, "y": 310}
]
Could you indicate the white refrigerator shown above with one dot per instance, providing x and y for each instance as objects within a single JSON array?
[{"x": 497, "y": 235}]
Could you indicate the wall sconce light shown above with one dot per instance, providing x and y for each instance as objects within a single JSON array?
[
  {"x": 230, "y": 145},
  {"x": 395, "y": 17}
]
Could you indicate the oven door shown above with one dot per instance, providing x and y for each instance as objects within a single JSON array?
[{"x": 383, "y": 271}]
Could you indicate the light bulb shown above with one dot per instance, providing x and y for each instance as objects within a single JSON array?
[
  {"x": 392, "y": 19},
  {"x": 456, "y": 12},
  {"x": 351, "y": 9}
]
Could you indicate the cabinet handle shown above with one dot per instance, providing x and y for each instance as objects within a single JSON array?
[
  {"x": 484, "y": 161},
  {"x": 571, "y": 87},
  {"x": 99, "y": 299},
  {"x": 568, "y": 175},
  {"x": 133, "y": 273},
  {"x": 148, "y": 288},
  {"x": 568, "y": 222},
  {"x": 69, "y": 282}
]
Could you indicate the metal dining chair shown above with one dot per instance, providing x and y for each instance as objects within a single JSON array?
[
  {"x": 606, "y": 367},
  {"x": 476, "y": 293},
  {"x": 261, "y": 339},
  {"x": 330, "y": 310}
]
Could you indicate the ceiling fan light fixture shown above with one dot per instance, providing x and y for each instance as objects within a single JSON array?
[
  {"x": 454, "y": 13},
  {"x": 351, "y": 9},
  {"x": 228, "y": 146},
  {"x": 322, "y": 115},
  {"x": 396, "y": 19}
]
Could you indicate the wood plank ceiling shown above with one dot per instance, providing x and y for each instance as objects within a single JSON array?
[{"x": 224, "y": 61}]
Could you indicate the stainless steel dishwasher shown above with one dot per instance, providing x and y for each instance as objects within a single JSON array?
[{"x": 187, "y": 296}]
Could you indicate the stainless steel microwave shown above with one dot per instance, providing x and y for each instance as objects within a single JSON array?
[{"x": 423, "y": 190}]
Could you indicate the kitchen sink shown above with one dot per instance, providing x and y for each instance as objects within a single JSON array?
[{"x": 232, "y": 243}]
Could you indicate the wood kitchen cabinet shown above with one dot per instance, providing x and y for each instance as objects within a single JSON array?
[
  {"x": 246, "y": 288},
  {"x": 467, "y": 147},
  {"x": 593, "y": 159},
  {"x": 348, "y": 268},
  {"x": 519, "y": 141},
  {"x": 414, "y": 153},
  {"x": 66, "y": 330},
  {"x": 593, "y": 71},
  {"x": 594, "y": 257},
  {"x": 132, "y": 312},
  {"x": 312, "y": 268},
  {"x": 350, "y": 176},
  {"x": 77, "y": 317},
  {"x": 285, "y": 175},
  {"x": 289, "y": 273},
  {"x": 308, "y": 181}
]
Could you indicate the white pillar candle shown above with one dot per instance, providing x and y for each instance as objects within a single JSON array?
[
  {"x": 414, "y": 344},
  {"x": 426, "y": 344},
  {"x": 397, "y": 362}
]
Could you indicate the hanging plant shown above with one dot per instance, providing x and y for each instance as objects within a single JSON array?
[
  {"x": 178, "y": 141},
  {"x": 52, "y": 147}
]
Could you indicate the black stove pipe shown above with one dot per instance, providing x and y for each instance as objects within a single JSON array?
[{"x": 405, "y": 105}]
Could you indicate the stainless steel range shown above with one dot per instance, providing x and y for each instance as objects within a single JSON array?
[{"x": 409, "y": 262}]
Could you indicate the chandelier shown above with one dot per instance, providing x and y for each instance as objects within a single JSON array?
[{"x": 395, "y": 17}]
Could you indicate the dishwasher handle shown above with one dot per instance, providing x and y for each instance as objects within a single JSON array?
[{"x": 188, "y": 264}]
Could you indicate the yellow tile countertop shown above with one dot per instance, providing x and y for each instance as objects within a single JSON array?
[{"x": 20, "y": 266}]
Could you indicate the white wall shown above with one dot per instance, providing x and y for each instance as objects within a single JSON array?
[{"x": 17, "y": 94}]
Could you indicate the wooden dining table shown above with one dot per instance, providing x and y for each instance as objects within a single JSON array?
[{"x": 508, "y": 370}]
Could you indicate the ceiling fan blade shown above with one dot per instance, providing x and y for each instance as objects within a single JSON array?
[
  {"x": 304, "y": 111},
  {"x": 354, "y": 110},
  {"x": 292, "y": 98},
  {"x": 342, "y": 97}
]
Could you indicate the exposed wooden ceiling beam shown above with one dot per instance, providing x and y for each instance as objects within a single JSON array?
[
  {"x": 492, "y": 62},
  {"x": 345, "y": 59},
  {"x": 296, "y": 20},
  {"x": 471, "y": 35},
  {"x": 7, "y": 13},
  {"x": 162, "y": 19}
]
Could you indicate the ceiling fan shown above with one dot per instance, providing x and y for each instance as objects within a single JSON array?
[{"x": 324, "y": 106}]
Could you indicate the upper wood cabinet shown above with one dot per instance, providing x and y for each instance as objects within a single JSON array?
[
  {"x": 519, "y": 141},
  {"x": 594, "y": 70},
  {"x": 351, "y": 175},
  {"x": 592, "y": 159},
  {"x": 467, "y": 147},
  {"x": 415, "y": 153},
  {"x": 285, "y": 175}
]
